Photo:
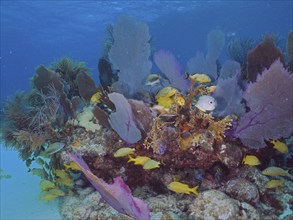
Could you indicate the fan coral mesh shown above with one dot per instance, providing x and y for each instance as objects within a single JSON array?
[
  {"x": 122, "y": 121},
  {"x": 167, "y": 63},
  {"x": 271, "y": 107},
  {"x": 130, "y": 51}
]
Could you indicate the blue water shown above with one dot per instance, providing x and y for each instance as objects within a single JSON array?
[{"x": 40, "y": 32}]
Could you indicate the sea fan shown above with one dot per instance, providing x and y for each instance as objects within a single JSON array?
[
  {"x": 130, "y": 52},
  {"x": 167, "y": 63},
  {"x": 271, "y": 107},
  {"x": 122, "y": 121}
]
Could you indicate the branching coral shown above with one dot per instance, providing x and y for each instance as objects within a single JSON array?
[
  {"x": 29, "y": 139},
  {"x": 43, "y": 114},
  {"x": 190, "y": 127},
  {"x": 43, "y": 108},
  {"x": 69, "y": 69}
]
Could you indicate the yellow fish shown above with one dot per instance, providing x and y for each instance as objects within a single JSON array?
[
  {"x": 63, "y": 178},
  {"x": 61, "y": 173},
  {"x": 76, "y": 143},
  {"x": 72, "y": 166},
  {"x": 46, "y": 185},
  {"x": 151, "y": 164},
  {"x": 166, "y": 102},
  {"x": 166, "y": 96},
  {"x": 274, "y": 184},
  {"x": 65, "y": 181},
  {"x": 182, "y": 188},
  {"x": 139, "y": 160},
  {"x": 274, "y": 171},
  {"x": 56, "y": 192},
  {"x": 280, "y": 146},
  {"x": 47, "y": 197},
  {"x": 166, "y": 92},
  {"x": 211, "y": 89},
  {"x": 169, "y": 95},
  {"x": 96, "y": 97},
  {"x": 122, "y": 152},
  {"x": 197, "y": 77},
  {"x": 251, "y": 160}
]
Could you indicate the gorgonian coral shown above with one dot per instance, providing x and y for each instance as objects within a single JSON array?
[
  {"x": 261, "y": 57},
  {"x": 130, "y": 52},
  {"x": 167, "y": 63},
  {"x": 271, "y": 107},
  {"x": 122, "y": 121}
]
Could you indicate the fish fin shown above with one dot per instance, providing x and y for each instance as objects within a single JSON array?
[
  {"x": 290, "y": 171},
  {"x": 66, "y": 166},
  {"x": 130, "y": 158},
  {"x": 194, "y": 190}
]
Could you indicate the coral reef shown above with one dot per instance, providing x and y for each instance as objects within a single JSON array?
[{"x": 71, "y": 132}]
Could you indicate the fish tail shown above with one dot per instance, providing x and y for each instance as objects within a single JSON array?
[
  {"x": 66, "y": 167},
  {"x": 290, "y": 171},
  {"x": 186, "y": 75},
  {"x": 194, "y": 190},
  {"x": 130, "y": 158}
]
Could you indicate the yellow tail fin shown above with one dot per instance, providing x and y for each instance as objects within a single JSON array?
[
  {"x": 130, "y": 158},
  {"x": 66, "y": 166},
  {"x": 194, "y": 190}
]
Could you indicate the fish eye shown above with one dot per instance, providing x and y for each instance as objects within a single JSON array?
[{"x": 211, "y": 102}]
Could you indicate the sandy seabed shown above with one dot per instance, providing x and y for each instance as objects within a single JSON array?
[{"x": 19, "y": 194}]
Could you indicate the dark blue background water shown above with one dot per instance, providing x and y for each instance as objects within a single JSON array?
[{"x": 40, "y": 32}]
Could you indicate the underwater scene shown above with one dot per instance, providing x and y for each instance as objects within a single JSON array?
[{"x": 161, "y": 110}]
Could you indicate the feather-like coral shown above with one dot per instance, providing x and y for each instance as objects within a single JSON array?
[
  {"x": 261, "y": 57},
  {"x": 271, "y": 107}
]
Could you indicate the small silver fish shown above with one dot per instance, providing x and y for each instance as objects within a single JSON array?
[
  {"x": 206, "y": 103},
  {"x": 152, "y": 79}
]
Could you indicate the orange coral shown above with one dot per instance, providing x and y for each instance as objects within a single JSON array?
[
  {"x": 30, "y": 139},
  {"x": 191, "y": 126}
]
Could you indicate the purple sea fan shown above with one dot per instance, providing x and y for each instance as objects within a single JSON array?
[
  {"x": 117, "y": 194},
  {"x": 122, "y": 121},
  {"x": 271, "y": 107},
  {"x": 167, "y": 63}
]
